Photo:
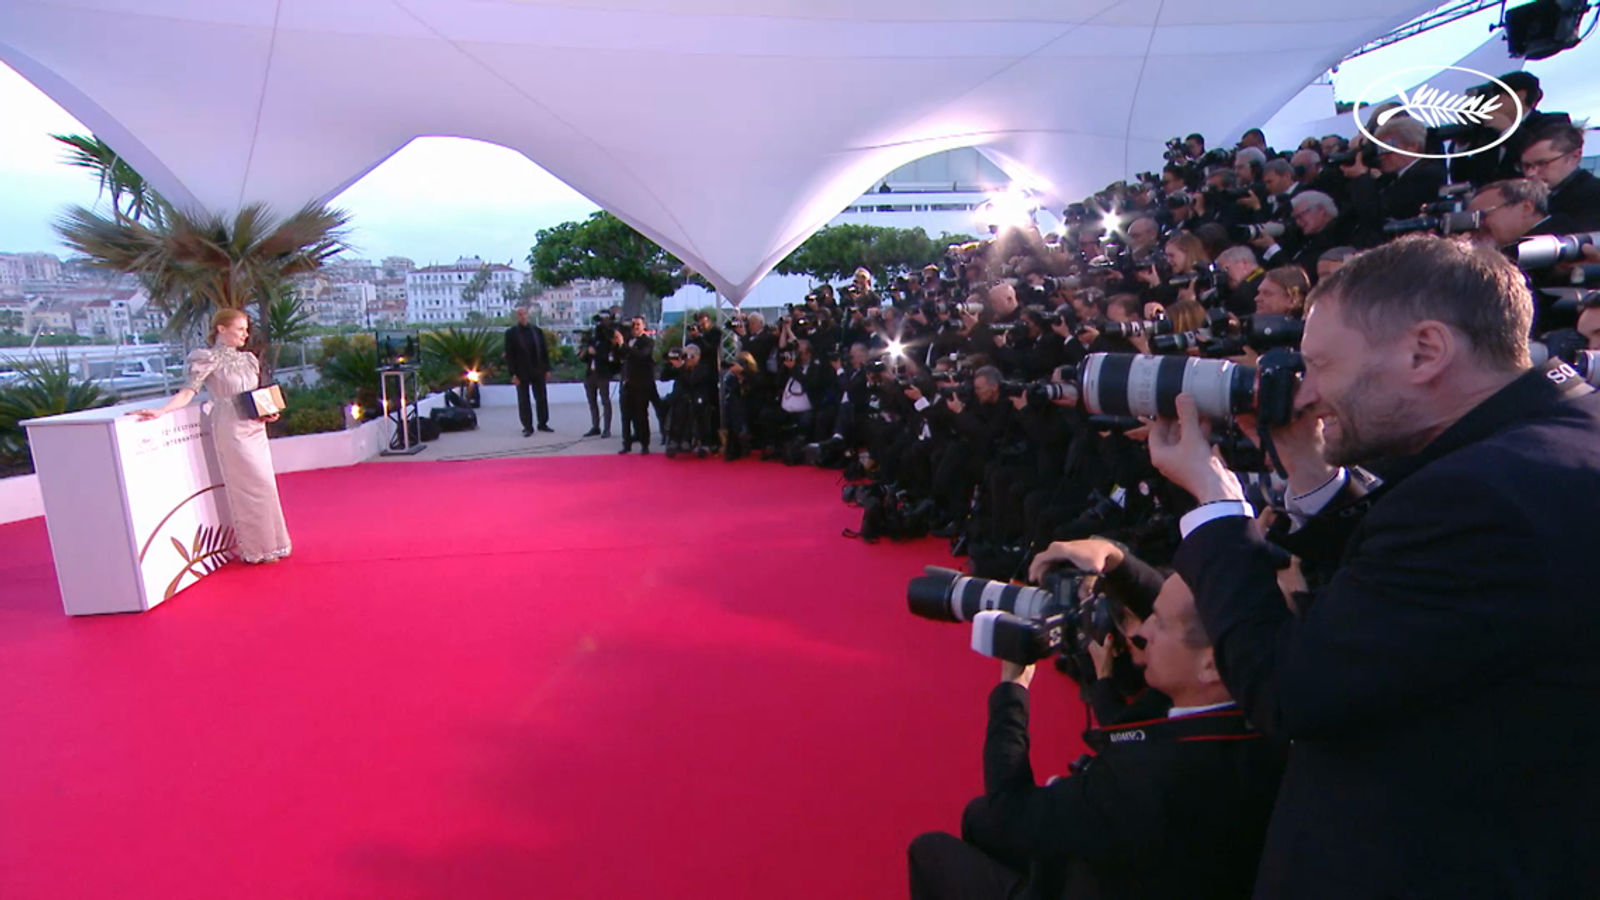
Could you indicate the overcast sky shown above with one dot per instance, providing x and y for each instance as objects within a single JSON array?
[{"x": 440, "y": 198}]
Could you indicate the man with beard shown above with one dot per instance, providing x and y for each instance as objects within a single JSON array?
[{"x": 1460, "y": 602}]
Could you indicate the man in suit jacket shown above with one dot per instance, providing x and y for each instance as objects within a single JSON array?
[
  {"x": 1173, "y": 806},
  {"x": 528, "y": 361},
  {"x": 1443, "y": 688},
  {"x": 1554, "y": 156},
  {"x": 636, "y": 355}
]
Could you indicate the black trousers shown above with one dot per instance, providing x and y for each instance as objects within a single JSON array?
[
  {"x": 598, "y": 389},
  {"x": 944, "y": 867},
  {"x": 524, "y": 408},
  {"x": 636, "y": 415}
]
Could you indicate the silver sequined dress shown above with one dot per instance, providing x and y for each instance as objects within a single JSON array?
[{"x": 241, "y": 444}]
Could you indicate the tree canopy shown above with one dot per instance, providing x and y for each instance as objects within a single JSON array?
[
  {"x": 836, "y": 251},
  {"x": 604, "y": 246}
]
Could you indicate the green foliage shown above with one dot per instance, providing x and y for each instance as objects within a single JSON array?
[
  {"x": 46, "y": 388},
  {"x": 52, "y": 339},
  {"x": 132, "y": 198},
  {"x": 288, "y": 322},
  {"x": 836, "y": 251},
  {"x": 449, "y": 353},
  {"x": 11, "y": 320},
  {"x": 313, "y": 410},
  {"x": 604, "y": 246},
  {"x": 351, "y": 364}
]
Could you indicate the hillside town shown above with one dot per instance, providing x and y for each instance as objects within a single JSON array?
[{"x": 42, "y": 294}]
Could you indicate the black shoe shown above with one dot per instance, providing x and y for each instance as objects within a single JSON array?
[
  {"x": 947, "y": 530},
  {"x": 547, "y": 428},
  {"x": 527, "y": 432},
  {"x": 593, "y": 432},
  {"x": 625, "y": 449},
  {"x": 671, "y": 451},
  {"x": 604, "y": 435},
  {"x": 645, "y": 449},
  {"x": 700, "y": 453}
]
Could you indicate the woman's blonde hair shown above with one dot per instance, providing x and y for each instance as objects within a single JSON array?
[
  {"x": 1294, "y": 282},
  {"x": 223, "y": 319},
  {"x": 1192, "y": 247},
  {"x": 1187, "y": 315}
]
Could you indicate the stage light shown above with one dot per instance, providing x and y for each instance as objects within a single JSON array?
[
  {"x": 473, "y": 376},
  {"x": 355, "y": 411}
]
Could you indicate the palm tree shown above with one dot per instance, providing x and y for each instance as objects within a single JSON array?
[
  {"x": 288, "y": 322},
  {"x": 117, "y": 178},
  {"x": 196, "y": 263}
]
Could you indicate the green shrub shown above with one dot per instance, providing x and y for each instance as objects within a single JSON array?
[
  {"x": 312, "y": 419},
  {"x": 46, "y": 388}
]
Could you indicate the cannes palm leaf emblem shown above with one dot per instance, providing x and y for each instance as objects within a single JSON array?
[{"x": 1433, "y": 108}]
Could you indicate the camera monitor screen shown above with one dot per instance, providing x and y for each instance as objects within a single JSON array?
[{"x": 397, "y": 348}]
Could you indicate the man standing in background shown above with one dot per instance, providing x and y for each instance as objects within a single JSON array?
[{"x": 528, "y": 361}]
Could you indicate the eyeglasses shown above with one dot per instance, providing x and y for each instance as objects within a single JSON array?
[{"x": 1534, "y": 165}]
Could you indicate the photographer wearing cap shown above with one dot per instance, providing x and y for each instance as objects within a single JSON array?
[
  {"x": 1461, "y": 606},
  {"x": 1171, "y": 807}
]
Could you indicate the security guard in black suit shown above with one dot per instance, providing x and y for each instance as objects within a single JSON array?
[
  {"x": 1443, "y": 688},
  {"x": 1170, "y": 807}
]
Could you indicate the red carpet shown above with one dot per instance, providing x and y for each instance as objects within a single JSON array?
[{"x": 562, "y": 678}]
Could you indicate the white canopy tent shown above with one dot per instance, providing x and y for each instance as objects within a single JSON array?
[{"x": 727, "y": 130}]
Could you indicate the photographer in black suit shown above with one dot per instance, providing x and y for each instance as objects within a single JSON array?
[
  {"x": 1403, "y": 184},
  {"x": 636, "y": 355},
  {"x": 1443, "y": 689},
  {"x": 528, "y": 361},
  {"x": 1171, "y": 807},
  {"x": 599, "y": 370}
]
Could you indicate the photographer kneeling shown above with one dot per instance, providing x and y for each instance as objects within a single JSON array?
[
  {"x": 1118, "y": 691},
  {"x": 1460, "y": 615},
  {"x": 1174, "y": 807}
]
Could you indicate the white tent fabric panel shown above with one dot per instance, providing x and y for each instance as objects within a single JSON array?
[{"x": 727, "y": 130}]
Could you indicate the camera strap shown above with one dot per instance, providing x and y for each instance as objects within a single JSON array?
[
  {"x": 1217, "y": 725},
  {"x": 1271, "y": 448}
]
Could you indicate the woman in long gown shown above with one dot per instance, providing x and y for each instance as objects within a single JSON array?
[{"x": 226, "y": 371}]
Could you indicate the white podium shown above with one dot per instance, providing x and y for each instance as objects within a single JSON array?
[{"x": 136, "y": 510}]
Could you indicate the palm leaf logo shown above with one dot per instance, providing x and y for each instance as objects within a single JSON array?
[{"x": 1433, "y": 108}]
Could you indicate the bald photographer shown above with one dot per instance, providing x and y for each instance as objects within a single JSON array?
[{"x": 1460, "y": 616}]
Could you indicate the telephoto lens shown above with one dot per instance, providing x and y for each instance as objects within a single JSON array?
[
  {"x": 1585, "y": 362},
  {"x": 1128, "y": 384},
  {"x": 1545, "y": 250},
  {"x": 945, "y": 595}
]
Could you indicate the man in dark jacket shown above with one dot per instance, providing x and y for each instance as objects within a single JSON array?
[
  {"x": 600, "y": 367},
  {"x": 528, "y": 361},
  {"x": 636, "y": 355},
  {"x": 1443, "y": 688},
  {"x": 1554, "y": 156},
  {"x": 1171, "y": 807}
]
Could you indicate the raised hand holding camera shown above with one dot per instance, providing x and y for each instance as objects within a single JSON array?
[{"x": 1181, "y": 450}]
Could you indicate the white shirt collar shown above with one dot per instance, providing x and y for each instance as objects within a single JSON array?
[{"x": 1178, "y": 711}]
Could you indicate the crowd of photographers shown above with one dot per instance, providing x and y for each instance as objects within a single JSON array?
[
  {"x": 1007, "y": 401},
  {"x": 1005, "y": 398}
]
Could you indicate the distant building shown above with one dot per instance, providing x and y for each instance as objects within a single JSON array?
[
  {"x": 17, "y": 268},
  {"x": 436, "y": 293},
  {"x": 345, "y": 270},
  {"x": 110, "y": 317},
  {"x": 345, "y": 303},
  {"x": 386, "y": 311},
  {"x": 397, "y": 266}
]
